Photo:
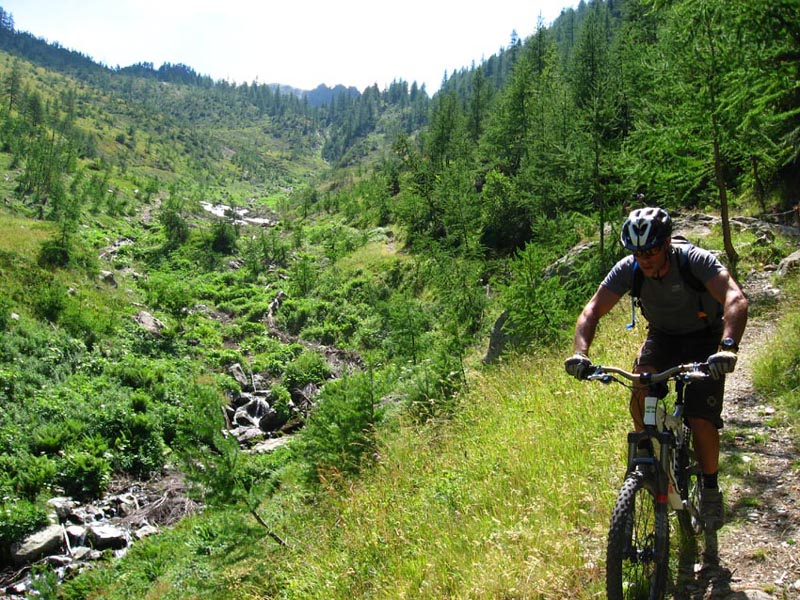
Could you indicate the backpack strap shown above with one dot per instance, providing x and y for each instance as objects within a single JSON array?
[
  {"x": 636, "y": 292},
  {"x": 685, "y": 269}
]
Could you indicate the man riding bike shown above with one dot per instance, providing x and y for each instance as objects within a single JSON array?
[{"x": 684, "y": 325}]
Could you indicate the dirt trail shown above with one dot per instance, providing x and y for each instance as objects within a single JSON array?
[{"x": 759, "y": 546}]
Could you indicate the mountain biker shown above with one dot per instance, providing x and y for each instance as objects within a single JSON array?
[{"x": 684, "y": 325}]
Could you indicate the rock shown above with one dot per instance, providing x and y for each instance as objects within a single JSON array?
[
  {"x": 238, "y": 374},
  {"x": 62, "y": 505},
  {"x": 108, "y": 278},
  {"x": 143, "y": 532},
  {"x": 271, "y": 421},
  {"x": 243, "y": 419},
  {"x": 59, "y": 560},
  {"x": 752, "y": 595},
  {"x": 81, "y": 553},
  {"x": 149, "y": 323},
  {"x": 37, "y": 545},
  {"x": 270, "y": 445},
  {"x": 76, "y": 534},
  {"x": 788, "y": 264},
  {"x": 107, "y": 536}
]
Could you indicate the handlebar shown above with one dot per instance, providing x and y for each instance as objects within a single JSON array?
[{"x": 688, "y": 372}]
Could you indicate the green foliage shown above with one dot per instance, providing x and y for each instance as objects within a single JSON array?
[
  {"x": 224, "y": 236},
  {"x": 34, "y": 474},
  {"x": 340, "y": 432},
  {"x": 84, "y": 475},
  {"x": 308, "y": 367},
  {"x": 51, "y": 437},
  {"x": 264, "y": 250},
  {"x": 777, "y": 373},
  {"x": 54, "y": 253},
  {"x": 542, "y": 306},
  {"x": 139, "y": 448},
  {"x": 18, "y": 519},
  {"x": 49, "y": 301}
]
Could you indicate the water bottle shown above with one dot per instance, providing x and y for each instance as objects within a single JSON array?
[{"x": 650, "y": 404}]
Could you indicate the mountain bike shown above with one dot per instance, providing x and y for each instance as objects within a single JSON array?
[{"x": 662, "y": 473}]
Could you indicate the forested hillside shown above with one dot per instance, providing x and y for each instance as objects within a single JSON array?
[{"x": 191, "y": 269}]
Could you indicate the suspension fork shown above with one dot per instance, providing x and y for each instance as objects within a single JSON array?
[{"x": 657, "y": 466}]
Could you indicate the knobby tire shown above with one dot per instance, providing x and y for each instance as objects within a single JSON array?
[
  {"x": 637, "y": 558},
  {"x": 689, "y": 479}
]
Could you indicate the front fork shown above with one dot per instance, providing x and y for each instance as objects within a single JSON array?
[{"x": 661, "y": 465}]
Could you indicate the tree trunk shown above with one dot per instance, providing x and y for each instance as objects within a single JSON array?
[{"x": 733, "y": 256}]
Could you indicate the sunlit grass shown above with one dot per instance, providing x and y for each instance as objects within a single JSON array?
[
  {"x": 23, "y": 236},
  {"x": 776, "y": 373}
]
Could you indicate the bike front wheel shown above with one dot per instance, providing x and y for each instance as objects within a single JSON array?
[
  {"x": 690, "y": 482},
  {"x": 637, "y": 557}
]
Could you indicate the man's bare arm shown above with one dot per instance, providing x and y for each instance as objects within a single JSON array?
[
  {"x": 726, "y": 291},
  {"x": 602, "y": 302}
]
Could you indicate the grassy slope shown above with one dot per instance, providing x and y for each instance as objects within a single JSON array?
[{"x": 509, "y": 499}]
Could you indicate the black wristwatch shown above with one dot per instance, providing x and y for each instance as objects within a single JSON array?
[{"x": 729, "y": 345}]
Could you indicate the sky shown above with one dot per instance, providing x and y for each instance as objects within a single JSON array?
[{"x": 301, "y": 43}]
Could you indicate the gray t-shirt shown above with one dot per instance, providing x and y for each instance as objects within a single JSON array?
[{"x": 670, "y": 305}]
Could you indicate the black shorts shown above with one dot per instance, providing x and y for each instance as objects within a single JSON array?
[{"x": 703, "y": 399}]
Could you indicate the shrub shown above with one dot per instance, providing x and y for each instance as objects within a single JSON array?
[
  {"x": 50, "y": 438},
  {"x": 49, "y": 301},
  {"x": 309, "y": 367},
  {"x": 5, "y": 313},
  {"x": 34, "y": 474},
  {"x": 53, "y": 253},
  {"x": 280, "y": 402},
  {"x": 84, "y": 476},
  {"x": 325, "y": 333},
  {"x": 223, "y": 237},
  {"x": 339, "y": 433},
  {"x": 140, "y": 450}
]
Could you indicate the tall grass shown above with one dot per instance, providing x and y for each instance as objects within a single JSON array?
[{"x": 776, "y": 373}]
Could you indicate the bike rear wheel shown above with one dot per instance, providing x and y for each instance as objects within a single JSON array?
[
  {"x": 690, "y": 481},
  {"x": 637, "y": 557}
]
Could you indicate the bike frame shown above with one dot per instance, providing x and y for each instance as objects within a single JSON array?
[
  {"x": 638, "y": 549},
  {"x": 664, "y": 430}
]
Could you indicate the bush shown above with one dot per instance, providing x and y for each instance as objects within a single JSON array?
[
  {"x": 85, "y": 476},
  {"x": 5, "y": 313},
  {"x": 309, "y": 367},
  {"x": 53, "y": 254},
  {"x": 49, "y": 301},
  {"x": 223, "y": 237},
  {"x": 34, "y": 475},
  {"x": 52, "y": 437},
  {"x": 140, "y": 450},
  {"x": 340, "y": 431}
]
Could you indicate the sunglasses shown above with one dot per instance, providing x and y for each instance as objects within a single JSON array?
[{"x": 648, "y": 253}]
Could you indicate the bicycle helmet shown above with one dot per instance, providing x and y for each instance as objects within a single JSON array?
[{"x": 646, "y": 228}]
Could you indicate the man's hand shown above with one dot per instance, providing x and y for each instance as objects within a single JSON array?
[
  {"x": 721, "y": 363},
  {"x": 578, "y": 365}
]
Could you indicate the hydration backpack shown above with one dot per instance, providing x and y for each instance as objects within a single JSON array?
[{"x": 682, "y": 245}]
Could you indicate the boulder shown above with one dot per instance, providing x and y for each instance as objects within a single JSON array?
[
  {"x": 107, "y": 536},
  {"x": 788, "y": 264},
  {"x": 237, "y": 372},
  {"x": 43, "y": 542},
  {"x": 149, "y": 323}
]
